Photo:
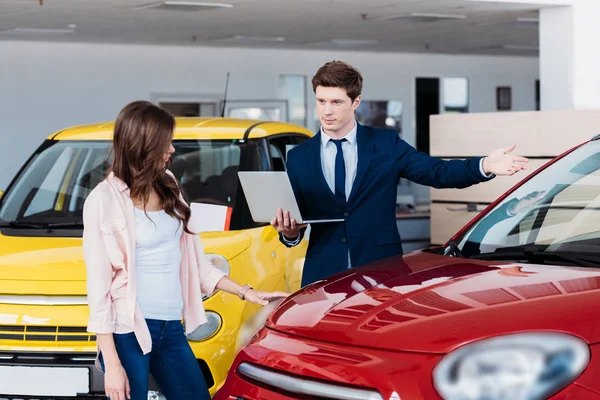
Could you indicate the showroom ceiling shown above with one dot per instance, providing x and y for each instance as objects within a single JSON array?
[{"x": 437, "y": 26}]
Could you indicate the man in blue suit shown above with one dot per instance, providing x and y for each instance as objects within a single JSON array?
[{"x": 351, "y": 172}]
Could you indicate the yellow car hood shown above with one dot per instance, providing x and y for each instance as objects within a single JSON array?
[{"x": 28, "y": 264}]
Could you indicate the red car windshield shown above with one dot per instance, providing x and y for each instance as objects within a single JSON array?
[{"x": 557, "y": 212}]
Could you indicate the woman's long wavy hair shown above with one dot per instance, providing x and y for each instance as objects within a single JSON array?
[{"x": 143, "y": 135}]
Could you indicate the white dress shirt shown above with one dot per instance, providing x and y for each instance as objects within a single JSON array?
[{"x": 329, "y": 153}]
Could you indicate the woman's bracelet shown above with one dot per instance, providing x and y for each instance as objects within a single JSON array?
[{"x": 244, "y": 290}]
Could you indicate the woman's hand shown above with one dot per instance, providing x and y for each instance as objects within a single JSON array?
[
  {"x": 263, "y": 298},
  {"x": 247, "y": 293},
  {"x": 116, "y": 384}
]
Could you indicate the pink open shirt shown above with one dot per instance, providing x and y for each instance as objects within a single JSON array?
[{"x": 109, "y": 253}]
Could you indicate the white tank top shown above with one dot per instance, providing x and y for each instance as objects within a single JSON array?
[{"x": 158, "y": 260}]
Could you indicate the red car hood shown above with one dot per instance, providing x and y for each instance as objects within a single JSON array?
[{"x": 429, "y": 303}]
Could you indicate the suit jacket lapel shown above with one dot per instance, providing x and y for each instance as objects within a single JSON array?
[{"x": 365, "y": 143}]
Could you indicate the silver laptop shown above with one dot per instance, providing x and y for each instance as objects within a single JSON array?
[{"x": 266, "y": 191}]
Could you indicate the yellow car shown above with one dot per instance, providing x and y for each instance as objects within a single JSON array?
[{"x": 45, "y": 350}]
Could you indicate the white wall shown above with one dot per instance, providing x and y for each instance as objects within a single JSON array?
[
  {"x": 569, "y": 57},
  {"x": 45, "y": 87},
  {"x": 557, "y": 58}
]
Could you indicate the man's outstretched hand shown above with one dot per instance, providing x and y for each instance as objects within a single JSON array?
[{"x": 499, "y": 162}]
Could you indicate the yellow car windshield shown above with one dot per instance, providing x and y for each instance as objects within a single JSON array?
[{"x": 51, "y": 189}]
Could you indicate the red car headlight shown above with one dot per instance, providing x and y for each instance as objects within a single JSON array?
[{"x": 523, "y": 366}]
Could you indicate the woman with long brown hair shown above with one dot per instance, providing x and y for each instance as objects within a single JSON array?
[{"x": 146, "y": 268}]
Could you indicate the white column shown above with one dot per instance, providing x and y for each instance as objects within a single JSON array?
[{"x": 570, "y": 56}]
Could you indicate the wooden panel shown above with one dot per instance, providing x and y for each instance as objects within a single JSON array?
[
  {"x": 486, "y": 192},
  {"x": 536, "y": 134},
  {"x": 447, "y": 219}
]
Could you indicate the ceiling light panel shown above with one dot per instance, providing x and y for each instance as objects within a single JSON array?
[
  {"x": 176, "y": 5},
  {"x": 421, "y": 17}
]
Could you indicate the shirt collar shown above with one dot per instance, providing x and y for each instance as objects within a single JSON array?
[
  {"x": 350, "y": 136},
  {"x": 118, "y": 183}
]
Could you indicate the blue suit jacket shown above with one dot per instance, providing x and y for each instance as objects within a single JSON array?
[{"x": 369, "y": 231}]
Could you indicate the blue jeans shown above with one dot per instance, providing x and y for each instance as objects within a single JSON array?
[{"x": 171, "y": 363}]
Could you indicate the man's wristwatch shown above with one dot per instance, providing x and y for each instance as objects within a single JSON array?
[{"x": 243, "y": 291}]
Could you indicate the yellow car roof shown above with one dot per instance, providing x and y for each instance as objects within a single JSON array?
[{"x": 191, "y": 128}]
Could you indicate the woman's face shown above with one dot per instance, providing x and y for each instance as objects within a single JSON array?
[{"x": 167, "y": 155}]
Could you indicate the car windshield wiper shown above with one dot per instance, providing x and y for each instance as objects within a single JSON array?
[
  {"x": 453, "y": 250},
  {"x": 64, "y": 225},
  {"x": 533, "y": 254},
  {"x": 41, "y": 225},
  {"x": 24, "y": 225}
]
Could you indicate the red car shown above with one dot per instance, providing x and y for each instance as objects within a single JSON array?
[{"x": 509, "y": 309}]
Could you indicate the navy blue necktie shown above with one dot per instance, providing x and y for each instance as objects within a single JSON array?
[{"x": 340, "y": 171}]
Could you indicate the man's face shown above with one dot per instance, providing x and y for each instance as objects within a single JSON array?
[{"x": 335, "y": 110}]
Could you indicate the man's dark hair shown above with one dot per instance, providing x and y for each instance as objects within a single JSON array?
[{"x": 339, "y": 74}]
